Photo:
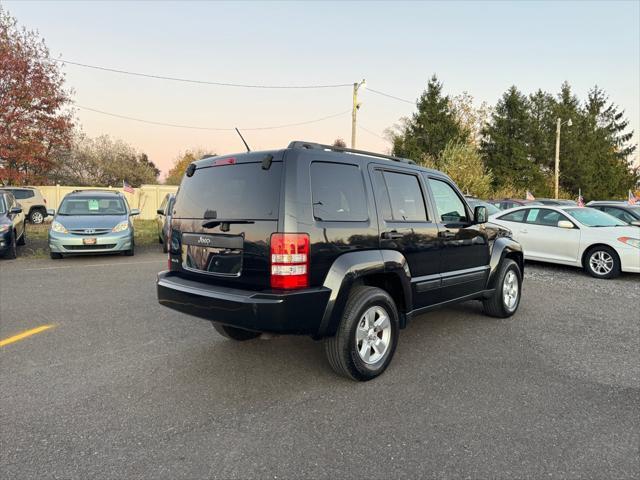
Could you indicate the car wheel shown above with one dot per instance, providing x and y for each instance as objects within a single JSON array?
[
  {"x": 506, "y": 298},
  {"x": 55, "y": 256},
  {"x": 12, "y": 252},
  {"x": 602, "y": 262},
  {"x": 36, "y": 216},
  {"x": 233, "y": 333},
  {"x": 367, "y": 335},
  {"x": 23, "y": 238}
]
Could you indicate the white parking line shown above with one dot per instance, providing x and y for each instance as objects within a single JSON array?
[{"x": 88, "y": 265}]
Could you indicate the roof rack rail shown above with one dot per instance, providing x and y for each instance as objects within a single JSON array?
[{"x": 319, "y": 146}]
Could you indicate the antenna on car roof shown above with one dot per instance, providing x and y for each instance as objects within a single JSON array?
[{"x": 243, "y": 141}]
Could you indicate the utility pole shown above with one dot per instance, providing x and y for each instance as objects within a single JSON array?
[
  {"x": 354, "y": 110},
  {"x": 558, "y": 126}
]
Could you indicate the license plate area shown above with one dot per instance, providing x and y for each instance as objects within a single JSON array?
[
  {"x": 89, "y": 241},
  {"x": 213, "y": 254}
]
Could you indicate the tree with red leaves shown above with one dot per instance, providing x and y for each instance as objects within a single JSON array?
[{"x": 35, "y": 111}]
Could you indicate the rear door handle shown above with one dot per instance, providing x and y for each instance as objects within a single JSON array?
[
  {"x": 524, "y": 230},
  {"x": 392, "y": 235}
]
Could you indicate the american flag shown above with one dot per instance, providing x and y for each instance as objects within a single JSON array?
[
  {"x": 127, "y": 188},
  {"x": 529, "y": 196},
  {"x": 632, "y": 198},
  {"x": 580, "y": 199}
]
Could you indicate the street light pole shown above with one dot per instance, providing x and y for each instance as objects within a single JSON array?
[
  {"x": 354, "y": 110},
  {"x": 558, "y": 126}
]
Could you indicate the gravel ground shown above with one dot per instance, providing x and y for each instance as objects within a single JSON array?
[{"x": 123, "y": 388}]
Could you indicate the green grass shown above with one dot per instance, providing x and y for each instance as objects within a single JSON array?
[{"x": 146, "y": 235}]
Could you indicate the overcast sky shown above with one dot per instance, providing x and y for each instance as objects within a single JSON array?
[{"x": 481, "y": 48}]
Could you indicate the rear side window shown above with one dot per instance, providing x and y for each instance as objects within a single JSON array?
[
  {"x": 243, "y": 191},
  {"x": 23, "y": 194},
  {"x": 407, "y": 202},
  {"x": 619, "y": 214},
  {"x": 338, "y": 193},
  {"x": 545, "y": 217},
  {"x": 517, "y": 216}
]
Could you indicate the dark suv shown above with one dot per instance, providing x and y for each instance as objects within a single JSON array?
[{"x": 338, "y": 244}]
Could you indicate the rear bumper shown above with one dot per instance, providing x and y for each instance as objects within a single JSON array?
[{"x": 298, "y": 312}]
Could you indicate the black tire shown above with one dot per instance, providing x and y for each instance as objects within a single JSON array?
[
  {"x": 55, "y": 256},
  {"x": 37, "y": 215},
  {"x": 606, "y": 257},
  {"x": 342, "y": 350},
  {"x": 496, "y": 305},
  {"x": 131, "y": 252},
  {"x": 23, "y": 238},
  {"x": 12, "y": 251},
  {"x": 234, "y": 333}
]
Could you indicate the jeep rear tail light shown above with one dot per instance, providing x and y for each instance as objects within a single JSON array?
[{"x": 289, "y": 260}]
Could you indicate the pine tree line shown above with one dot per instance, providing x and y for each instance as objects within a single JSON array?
[{"x": 513, "y": 150}]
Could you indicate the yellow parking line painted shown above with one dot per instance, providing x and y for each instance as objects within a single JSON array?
[{"x": 25, "y": 334}]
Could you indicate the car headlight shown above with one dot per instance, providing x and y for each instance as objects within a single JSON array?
[
  {"x": 634, "y": 242},
  {"x": 58, "y": 227},
  {"x": 4, "y": 228},
  {"x": 121, "y": 227}
]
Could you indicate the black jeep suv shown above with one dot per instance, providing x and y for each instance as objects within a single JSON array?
[{"x": 339, "y": 244}]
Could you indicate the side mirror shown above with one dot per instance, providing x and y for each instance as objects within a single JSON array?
[
  {"x": 16, "y": 210},
  {"x": 134, "y": 211},
  {"x": 635, "y": 223},
  {"x": 480, "y": 214},
  {"x": 51, "y": 212},
  {"x": 565, "y": 224},
  {"x": 160, "y": 212}
]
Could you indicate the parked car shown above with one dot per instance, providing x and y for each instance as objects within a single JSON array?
[
  {"x": 92, "y": 221},
  {"x": 163, "y": 219},
  {"x": 584, "y": 237},
  {"x": 507, "y": 203},
  {"x": 338, "y": 244},
  {"x": 476, "y": 202},
  {"x": 12, "y": 231},
  {"x": 34, "y": 205},
  {"x": 629, "y": 214}
]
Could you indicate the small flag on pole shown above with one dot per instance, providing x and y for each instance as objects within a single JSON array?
[
  {"x": 580, "y": 199},
  {"x": 530, "y": 196},
  {"x": 127, "y": 188},
  {"x": 632, "y": 198}
]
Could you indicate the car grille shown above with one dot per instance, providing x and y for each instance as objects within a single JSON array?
[
  {"x": 96, "y": 231},
  {"x": 105, "y": 246}
]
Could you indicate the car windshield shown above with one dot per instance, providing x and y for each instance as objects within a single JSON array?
[
  {"x": 594, "y": 218},
  {"x": 99, "y": 205},
  {"x": 491, "y": 209}
]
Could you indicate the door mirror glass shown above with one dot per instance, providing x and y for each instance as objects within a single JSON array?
[
  {"x": 51, "y": 212},
  {"x": 160, "y": 211},
  {"x": 16, "y": 210},
  {"x": 480, "y": 214},
  {"x": 565, "y": 224},
  {"x": 134, "y": 211}
]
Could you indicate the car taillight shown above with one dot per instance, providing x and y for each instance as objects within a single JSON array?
[{"x": 289, "y": 260}]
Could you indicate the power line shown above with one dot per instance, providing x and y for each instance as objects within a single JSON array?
[
  {"x": 390, "y": 96},
  {"x": 201, "y": 82},
  {"x": 174, "y": 125},
  {"x": 373, "y": 133}
]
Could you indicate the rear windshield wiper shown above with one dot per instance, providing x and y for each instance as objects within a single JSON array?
[{"x": 215, "y": 223}]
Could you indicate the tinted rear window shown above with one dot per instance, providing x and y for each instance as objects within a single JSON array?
[
  {"x": 23, "y": 194},
  {"x": 338, "y": 192},
  {"x": 231, "y": 192}
]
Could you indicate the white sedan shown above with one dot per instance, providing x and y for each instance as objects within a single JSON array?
[{"x": 584, "y": 237}]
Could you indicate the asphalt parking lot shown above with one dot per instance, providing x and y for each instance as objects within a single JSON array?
[{"x": 120, "y": 387}]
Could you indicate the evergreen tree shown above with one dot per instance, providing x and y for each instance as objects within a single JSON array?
[
  {"x": 506, "y": 143},
  {"x": 542, "y": 130},
  {"x": 429, "y": 130}
]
